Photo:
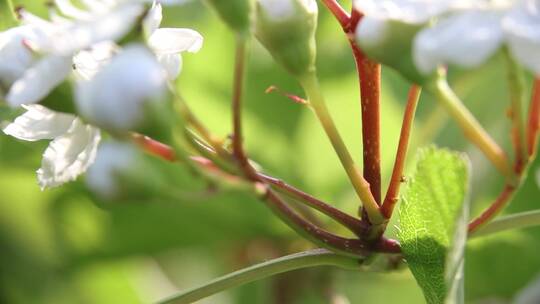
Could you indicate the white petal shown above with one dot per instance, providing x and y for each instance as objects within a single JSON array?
[
  {"x": 15, "y": 57},
  {"x": 153, "y": 19},
  {"x": 521, "y": 27},
  {"x": 115, "y": 97},
  {"x": 69, "y": 155},
  {"x": 81, "y": 35},
  {"x": 466, "y": 39},
  {"x": 69, "y": 10},
  {"x": 38, "y": 122},
  {"x": 172, "y": 63},
  {"x": 407, "y": 11},
  {"x": 175, "y": 40},
  {"x": 38, "y": 81},
  {"x": 88, "y": 62},
  {"x": 112, "y": 158}
]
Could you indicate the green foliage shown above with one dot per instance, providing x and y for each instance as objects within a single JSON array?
[{"x": 433, "y": 202}]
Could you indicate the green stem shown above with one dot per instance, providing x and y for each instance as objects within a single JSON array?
[
  {"x": 11, "y": 8},
  {"x": 470, "y": 126},
  {"x": 514, "y": 221},
  {"x": 310, "y": 258},
  {"x": 311, "y": 86}
]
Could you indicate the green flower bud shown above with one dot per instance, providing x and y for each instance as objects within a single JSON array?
[
  {"x": 237, "y": 14},
  {"x": 390, "y": 43},
  {"x": 287, "y": 29},
  {"x": 122, "y": 172}
]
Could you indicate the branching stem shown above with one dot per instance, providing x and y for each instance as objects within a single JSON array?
[{"x": 361, "y": 186}]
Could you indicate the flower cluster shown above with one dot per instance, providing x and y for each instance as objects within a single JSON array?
[
  {"x": 463, "y": 33},
  {"x": 112, "y": 83}
]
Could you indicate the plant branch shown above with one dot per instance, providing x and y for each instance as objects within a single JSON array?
[
  {"x": 533, "y": 123},
  {"x": 392, "y": 193},
  {"x": 335, "y": 8},
  {"x": 310, "y": 258},
  {"x": 154, "y": 147},
  {"x": 361, "y": 186},
  {"x": 348, "y": 221},
  {"x": 471, "y": 128},
  {"x": 513, "y": 221},
  {"x": 191, "y": 119},
  {"x": 369, "y": 74},
  {"x": 498, "y": 205},
  {"x": 516, "y": 88},
  {"x": 238, "y": 85}
]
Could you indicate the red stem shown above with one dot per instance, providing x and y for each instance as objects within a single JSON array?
[
  {"x": 341, "y": 15},
  {"x": 533, "y": 124},
  {"x": 154, "y": 147},
  {"x": 397, "y": 174},
  {"x": 497, "y": 206},
  {"x": 369, "y": 74}
]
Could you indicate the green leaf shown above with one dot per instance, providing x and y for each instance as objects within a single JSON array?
[{"x": 433, "y": 221}]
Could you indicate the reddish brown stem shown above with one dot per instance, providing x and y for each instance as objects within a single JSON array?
[
  {"x": 497, "y": 206},
  {"x": 392, "y": 193},
  {"x": 323, "y": 237},
  {"x": 348, "y": 221},
  {"x": 369, "y": 74},
  {"x": 341, "y": 15},
  {"x": 533, "y": 124},
  {"x": 154, "y": 147},
  {"x": 238, "y": 83}
]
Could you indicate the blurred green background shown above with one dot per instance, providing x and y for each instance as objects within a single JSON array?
[{"x": 62, "y": 246}]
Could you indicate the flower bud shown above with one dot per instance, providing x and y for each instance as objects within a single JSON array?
[
  {"x": 287, "y": 29},
  {"x": 128, "y": 94},
  {"x": 390, "y": 43},
  {"x": 237, "y": 14},
  {"x": 122, "y": 172}
]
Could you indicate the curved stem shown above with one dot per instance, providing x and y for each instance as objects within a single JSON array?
[
  {"x": 392, "y": 193},
  {"x": 311, "y": 86},
  {"x": 471, "y": 128},
  {"x": 514, "y": 221},
  {"x": 502, "y": 200},
  {"x": 310, "y": 258}
]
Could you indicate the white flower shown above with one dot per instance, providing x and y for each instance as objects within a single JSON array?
[
  {"x": 466, "y": 33},
  {"x": 88, "y": 62},
  {"x": 37, "y": 56},
  {"x": 72, "y": 149},
  {"x": 24, "y": 77},
  {"x": 115, "y": 98},
  {"x": 112, "y": 159},
  {"x": 168, "y": 43}
]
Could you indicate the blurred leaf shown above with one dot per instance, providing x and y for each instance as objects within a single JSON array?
[
  {"x": 501, "y": 264},
  {"x": 428, "y": 213}
]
